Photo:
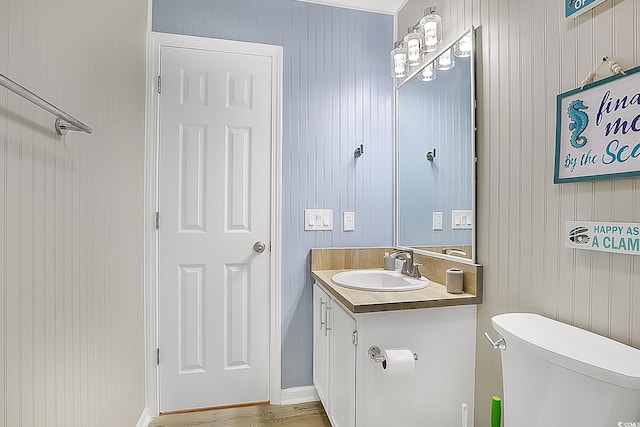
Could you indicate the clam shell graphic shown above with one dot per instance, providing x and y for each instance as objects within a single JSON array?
[{"x": 579, "y": 235}]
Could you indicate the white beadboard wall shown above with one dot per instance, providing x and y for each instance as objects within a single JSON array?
[
  {"x": 71, "y": 214},
  {"x": 528, "y": 53}
]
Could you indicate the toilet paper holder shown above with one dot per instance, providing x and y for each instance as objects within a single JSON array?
[{"x": 376, "y": 355}]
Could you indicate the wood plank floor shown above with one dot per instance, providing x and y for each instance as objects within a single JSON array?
[{"x": 300, "y": 415}]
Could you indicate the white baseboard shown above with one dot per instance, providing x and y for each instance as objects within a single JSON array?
[
  {"x": 290, "y": 396},
  {"x": 144, "y": 419}
]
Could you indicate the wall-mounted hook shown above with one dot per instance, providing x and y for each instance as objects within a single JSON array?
[
  {"x": 359, "y": 151},
  {"x": 431, "y": 155}
]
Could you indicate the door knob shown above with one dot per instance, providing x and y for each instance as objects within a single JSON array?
[{"x": 259, "y": 247}]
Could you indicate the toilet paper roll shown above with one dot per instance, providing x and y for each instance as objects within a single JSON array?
[
  {"x": 398, "y": 361},
  {"x": 454, "y": 278}
]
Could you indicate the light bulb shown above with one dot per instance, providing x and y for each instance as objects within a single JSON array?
[
  {"x": 463, "y": 47},
  {"x": 413, "y": 42},
  {"x": 398, "y": 62},
  {"x": 445, "y": 61},
  {"x": 431, "y": 25},
  {"x": 428, "y": 74}
]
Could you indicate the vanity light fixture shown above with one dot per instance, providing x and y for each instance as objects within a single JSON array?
[
  {"x": 462, "y": 49},
  {"x": 423, "y": 37},
  {"x": 431, "y": 25},
  {"x": 399, "y": 60},
  {"x": 445, "y": 61},
  {"x": 428, "y": 74}
]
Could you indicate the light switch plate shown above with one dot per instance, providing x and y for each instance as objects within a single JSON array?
[
  {"x": 461, "y": 220},
  {"x": 318, "y": 219},
  {"x": 348, "y": 221}
]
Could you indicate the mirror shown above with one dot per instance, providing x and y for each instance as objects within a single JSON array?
[{"x": 435, "y": 154}]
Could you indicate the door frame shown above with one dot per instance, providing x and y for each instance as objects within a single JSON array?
[{"x": 155, "y": 42}]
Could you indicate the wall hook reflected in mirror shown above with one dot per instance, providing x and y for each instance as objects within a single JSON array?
[
  {"x": 359, "y": 151},
  {"x": 430, "y": 118}
]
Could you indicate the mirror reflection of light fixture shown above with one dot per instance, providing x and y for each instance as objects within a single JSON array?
[
  {"x": 428, "y": 74},
  {"x": 422, "y": 110},
  {"x": 399, "y": 61},
  {"x": 432, "y": 27},
  {"x": 445, "y": 61},
  {"x": 462, "y": 48},
  {"x": 413, "y": 42}
]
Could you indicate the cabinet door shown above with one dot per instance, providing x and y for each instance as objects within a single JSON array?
[
  {"x": 343, "y": 367},
  {"x": 321, "y": 345}
]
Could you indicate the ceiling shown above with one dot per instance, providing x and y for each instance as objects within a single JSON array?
[{"x": 385, "y": 6}]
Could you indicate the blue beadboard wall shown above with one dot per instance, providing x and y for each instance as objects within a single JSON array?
[{"x": 338, "y": 93}]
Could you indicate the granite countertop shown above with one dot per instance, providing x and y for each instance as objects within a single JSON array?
[{"x": 360, "y": 301}]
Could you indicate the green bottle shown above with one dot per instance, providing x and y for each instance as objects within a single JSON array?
[{"x": 496, "y": 411}]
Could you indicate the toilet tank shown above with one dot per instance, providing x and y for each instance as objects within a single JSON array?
[{"x": 555, "y": 374}]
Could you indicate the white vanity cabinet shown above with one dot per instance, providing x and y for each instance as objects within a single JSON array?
[
  {"x": 357, "y": 392},
  {"x": 334, "y": 358}
]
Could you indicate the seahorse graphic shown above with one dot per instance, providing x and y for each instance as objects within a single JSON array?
[{"x": 579, "y": 122}]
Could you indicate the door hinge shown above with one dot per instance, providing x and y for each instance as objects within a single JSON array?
[
  {"x": 157, "y": 356},
  {"x": 355, "y": 338},
  {"x": 157, "y": 220},
  {"x": 159, "y": 84}
]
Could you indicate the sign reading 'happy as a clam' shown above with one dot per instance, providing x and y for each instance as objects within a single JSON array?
[
  {"x": 615, "y": 237},
  {"x": 598, "y": 130}
]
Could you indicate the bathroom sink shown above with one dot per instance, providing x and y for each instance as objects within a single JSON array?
[{"x": 378, "y": 280}]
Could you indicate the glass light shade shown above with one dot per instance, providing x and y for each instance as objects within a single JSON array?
[
  {"x": 413, "y": 42},
  {"x": 462, "y": 48},
  {"x": 445, "y": 61},
  {"x": 428, "y": 74},
  {"x": 399, "y": 62},
  {"x": 432, "y": 28}
]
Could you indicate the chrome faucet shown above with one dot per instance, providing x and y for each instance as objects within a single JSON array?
[
  {"x": 409, "y": 267},
  {"x": 454, "y": 251}
]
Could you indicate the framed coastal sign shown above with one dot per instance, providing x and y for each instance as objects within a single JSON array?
[
  {"x": 598, "y": 130},
  {"x": 573, "y": 8},
  {"x": 618, "y": 237}
]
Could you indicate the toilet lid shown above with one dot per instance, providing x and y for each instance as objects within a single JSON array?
[{"x": 571, "y": 347}]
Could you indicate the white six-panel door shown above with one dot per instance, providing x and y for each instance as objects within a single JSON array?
[{"x": 215, "y": 116}]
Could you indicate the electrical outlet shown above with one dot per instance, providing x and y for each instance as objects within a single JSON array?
[
  {"x": 437, "y": 221},
  {"x": 348, "y": 221}
]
